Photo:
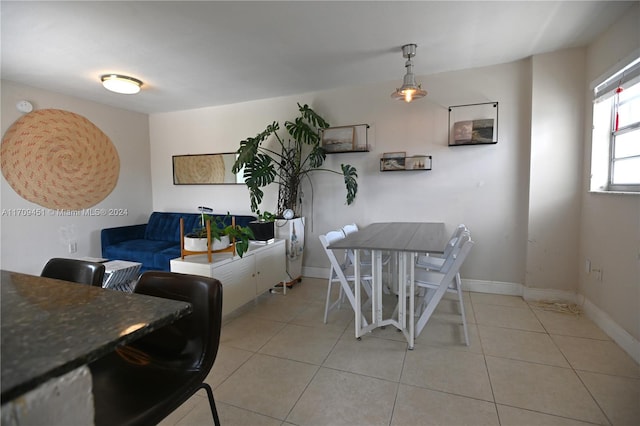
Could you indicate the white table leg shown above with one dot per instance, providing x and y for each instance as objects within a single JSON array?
[
  {"x": 377, "y": 286},
  {"x": 412, "y": 297},
  {"x": 402, "y": 290},
  {"x": 356, "y": 286}
]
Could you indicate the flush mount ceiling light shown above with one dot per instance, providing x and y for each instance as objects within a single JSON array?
[
  {"x": 409, "y": 90},
  {"x": 121, "y": 84}
]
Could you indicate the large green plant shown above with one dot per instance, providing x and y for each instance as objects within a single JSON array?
[{"x": 300, "y": 153}]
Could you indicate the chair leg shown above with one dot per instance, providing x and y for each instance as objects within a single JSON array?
[
  {"x": 326, "y": 306},
  {"x": 464, "y": 317},
  {"x": 212, "y": 403}
]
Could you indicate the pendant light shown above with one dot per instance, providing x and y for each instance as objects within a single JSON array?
[{"x": 409, "y": 90}]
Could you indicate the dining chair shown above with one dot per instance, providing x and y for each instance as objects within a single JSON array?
[
  {"x": 447, "y": 279},
  {"x": 143, "y": 382},
  {"x": 365, "y": 258},
  {"x": 74, "y": 270},
  {"x": 342, "y": 272},
  {"x": 435, "y": 261}
]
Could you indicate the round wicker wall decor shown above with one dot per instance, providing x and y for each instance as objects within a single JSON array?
[{"x": 59, "y": 160}]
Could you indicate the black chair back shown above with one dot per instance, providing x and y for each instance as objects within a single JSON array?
[
  {"x": 143, "y": 382},
  {"x": 74, "y": 270},
  {"x": 198, "y": 334}
]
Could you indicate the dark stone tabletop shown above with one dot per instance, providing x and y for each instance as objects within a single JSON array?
[{"x": 50, "y": 327}]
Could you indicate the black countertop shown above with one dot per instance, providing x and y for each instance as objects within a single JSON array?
[{"x": 50, "y": 327}]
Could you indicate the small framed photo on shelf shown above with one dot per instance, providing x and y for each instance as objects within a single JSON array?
[
  {"x": 393, "y": 161},
  {"x": 418, "y": 162},
  {"x": 339, "y": 139},
  {"x": 473, "y": 124}
]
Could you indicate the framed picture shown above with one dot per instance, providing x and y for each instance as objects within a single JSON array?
[
  {"x": 339, "y": 139},
  {"x": 393, "y": 161},
  {"x": 473, "y": 124},
  {"x": 205, "y": 169},
  {"x": 418, "y": 162}
]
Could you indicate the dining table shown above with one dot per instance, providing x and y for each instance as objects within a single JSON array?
[
  {"x": 50, "y": 328},
  {"x": 405, "y": 240}
]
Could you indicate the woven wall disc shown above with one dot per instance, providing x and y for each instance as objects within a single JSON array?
[
  {"x": 199, "y": 169},
  {"x": 59, "y": 160}
]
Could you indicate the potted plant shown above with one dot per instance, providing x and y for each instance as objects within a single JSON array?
[
  {"x": 263, "y": 228},
  {"x": 299, "y": 154},
  {"x": 221, "y": 235}
]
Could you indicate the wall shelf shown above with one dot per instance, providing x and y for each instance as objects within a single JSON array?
[
  {"x": 342, "y": 139},
  {"x": 413, "y": 163},
  {"x": 473, "y": 124}
]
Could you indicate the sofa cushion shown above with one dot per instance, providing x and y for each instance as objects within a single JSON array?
[
  {"x": 142, "y": 251},
  {"x": 162, "y": 259},
  {"x": 164, "y": 226}
]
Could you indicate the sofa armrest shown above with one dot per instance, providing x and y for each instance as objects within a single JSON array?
[{"x": 110, "y": 236}]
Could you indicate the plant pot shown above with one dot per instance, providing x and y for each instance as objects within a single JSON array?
[
  {"x": 200, "y": 244},
  {"x": 262, "y": 231}
]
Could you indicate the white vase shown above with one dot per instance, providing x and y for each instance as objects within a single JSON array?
[{"x": 200, "y": 244}]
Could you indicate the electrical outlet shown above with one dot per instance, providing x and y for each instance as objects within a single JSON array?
[
  {"x": 587, "y": 266},
  {"x": 598, "y": 272},
  {"x": 73, "y": 247}
]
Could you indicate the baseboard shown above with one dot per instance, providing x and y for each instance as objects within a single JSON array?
[
  {"x": 551, "y": 294},
  {"x": 618, "y": 334},
  {"x": 493, "y": 287},
  {"x": 315, "y": 272}
]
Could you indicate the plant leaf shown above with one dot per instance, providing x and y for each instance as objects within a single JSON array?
[
  {"x": 312, "y": 117},
  {"x": 317, "y": 156},
  {"x": 350, "y": 175}
]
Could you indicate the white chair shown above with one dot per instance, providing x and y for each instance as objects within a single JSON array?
[
  {"x": 446, "y": 279},
  {"x": 434, "y": 261},
  {"x": 343, "y": 274},
  {"x": 365, "y": 258}
]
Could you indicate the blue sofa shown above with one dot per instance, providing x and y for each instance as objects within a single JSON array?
[{"x": 154, "y": 243}]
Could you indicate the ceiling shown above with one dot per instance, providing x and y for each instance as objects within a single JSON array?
[{"x": 207, "y": 53}]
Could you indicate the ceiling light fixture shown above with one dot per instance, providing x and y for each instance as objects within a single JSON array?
[
  {"x": 121, "y": 84},
  {"x": 409, "y": 90}
]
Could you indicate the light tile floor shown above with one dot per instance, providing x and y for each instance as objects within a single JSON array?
[{"x": 278, "y": 364}]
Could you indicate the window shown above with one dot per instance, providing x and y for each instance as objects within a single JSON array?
[{"x": 615, "y": 161}]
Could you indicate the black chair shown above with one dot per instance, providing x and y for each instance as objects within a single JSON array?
[
  {"x": 142, "y": 383},
  {"x": 74, "y": 270}
]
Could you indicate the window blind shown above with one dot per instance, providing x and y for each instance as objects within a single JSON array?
[{"x": 629, "y": 75}]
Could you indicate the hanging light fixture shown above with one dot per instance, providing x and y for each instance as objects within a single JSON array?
[
  {"x": 409, "y": 90},
  {"x": 121, "y": 84}
]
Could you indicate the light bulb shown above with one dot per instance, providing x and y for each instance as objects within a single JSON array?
[{"x": 408, "y": 95}]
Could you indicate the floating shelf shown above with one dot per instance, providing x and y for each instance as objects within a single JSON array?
[
  {"x": 473, "y": 124},
  {"x": 412, "y": 163},
  {"x": 342, "y": 139}
]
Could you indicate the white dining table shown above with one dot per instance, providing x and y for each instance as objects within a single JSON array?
[{"x": 406, "y": 240}]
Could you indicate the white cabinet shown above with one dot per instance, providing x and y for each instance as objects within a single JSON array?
[
  {"x": 270, "y": 267},
  {"x": 242, "y": 278}
]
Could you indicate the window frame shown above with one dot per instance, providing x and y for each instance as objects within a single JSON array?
[
  {"x": 631, "y": 127},
  {"x": 603, "y": 158}
]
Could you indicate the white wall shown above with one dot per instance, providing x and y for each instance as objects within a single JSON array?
[
  {"x": 28, "y": 242},
  {"x": 558, "y": 87},
  {"x": 484, "y": 187},
  {"x": 610, "y": 226}
]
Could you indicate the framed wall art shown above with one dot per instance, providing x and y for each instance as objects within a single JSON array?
[
  {"x": 473, "y": 124},
  {"x": 341, "y": 139},
  {"x": 393, "y": 161},
  {"x": 205, "y": 169}
]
